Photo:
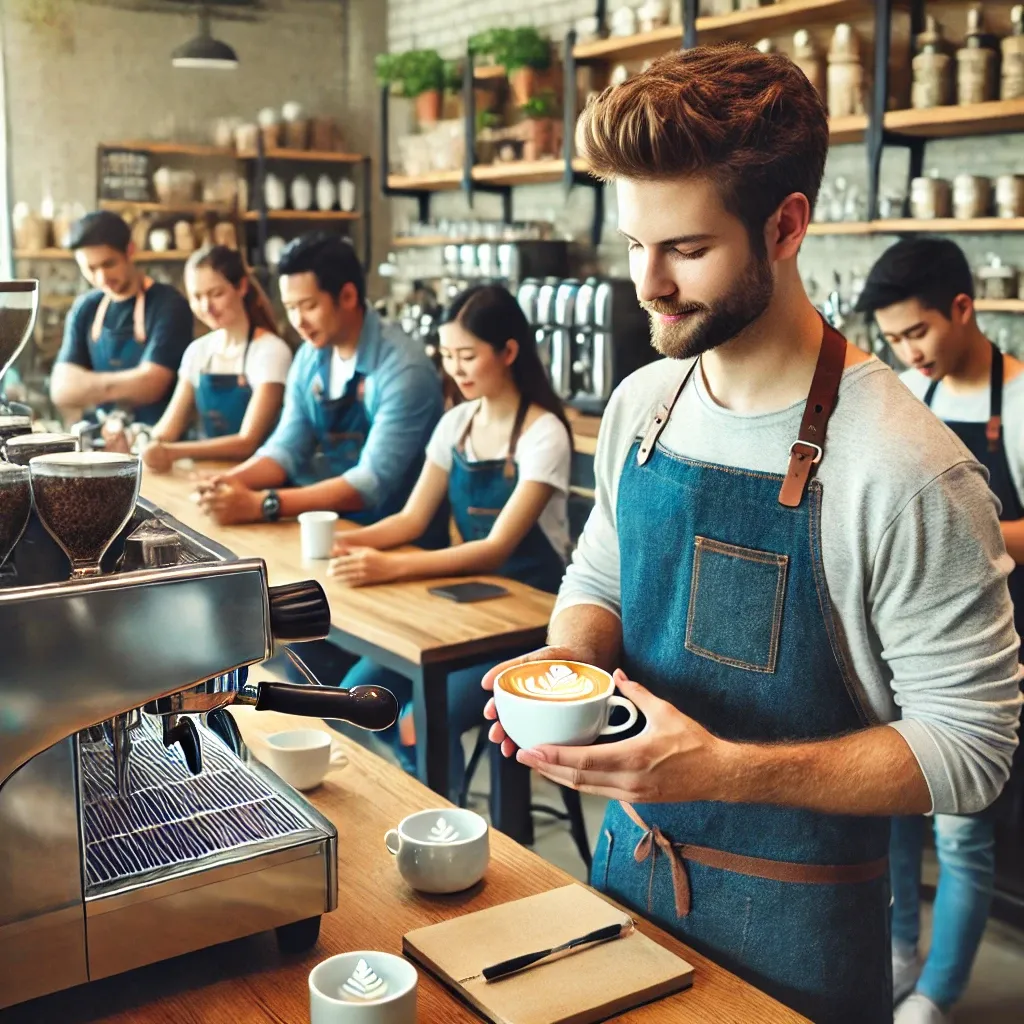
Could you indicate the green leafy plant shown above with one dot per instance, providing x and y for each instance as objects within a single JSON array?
[
  {"x": 453, "y": 76},
  {"x": 523, "y": 48},
  {"x": 487, "y": 119},
  {"x": 488, "y": 43},
  {"x": 544, "y": 104},
  {"x": 412, "y": 73}
]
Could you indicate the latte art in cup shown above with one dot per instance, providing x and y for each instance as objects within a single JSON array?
[{"x": 554, "y": 681}]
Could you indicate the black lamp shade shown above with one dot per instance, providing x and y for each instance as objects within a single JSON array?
[{"x": 205, "y": 52}]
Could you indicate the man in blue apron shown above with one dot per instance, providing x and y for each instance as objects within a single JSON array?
[
  {"x": 123, "y": 341},
  {"x": 777, "y": 558},
  {"x": 921, "y": 293},
  {"x": 361, "y": 402}
]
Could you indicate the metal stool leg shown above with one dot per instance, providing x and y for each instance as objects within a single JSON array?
[
  {"x": 577, "y": 826},
  {"x": 474, "y": 760}
]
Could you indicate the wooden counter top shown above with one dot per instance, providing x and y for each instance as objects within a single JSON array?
[
  {"x": 250, "y": 982},
  {"x": 403, "y": 618}
]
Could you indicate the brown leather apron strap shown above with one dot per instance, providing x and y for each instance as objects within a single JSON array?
[
  {"x": 657, "y": 425},
  {"x": 97, "y": 320},
  {"x": 138, "y": 314},
  {"x": 678, "y": 854},
  {"x": 806, "y": 452}
]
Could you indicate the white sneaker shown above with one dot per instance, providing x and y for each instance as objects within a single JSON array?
[
  {"x": 906, "y": 969},
  {"x": 919, "y": 1009}
]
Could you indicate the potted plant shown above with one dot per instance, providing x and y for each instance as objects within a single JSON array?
[
  {"x": 524, "y": 53},
  {"x": 540, "y": 124},
  {"x": 418, "y": 75},
  {"x": 452, "y": 102},
  {"x": 484, "y": 46},
  {"x": 486, "y": 143}
]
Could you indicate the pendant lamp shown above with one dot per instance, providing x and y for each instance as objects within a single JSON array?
[{"x": 204, "y": 51}]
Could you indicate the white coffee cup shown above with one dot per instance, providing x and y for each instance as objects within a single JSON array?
[
  {"x": 561, "y": 703},
  {"x": 365, "y": 987},
  {"x": 442, "y": 850},
  {"x": 301, "y": 757},
  {"x": 316, "y": 533}
]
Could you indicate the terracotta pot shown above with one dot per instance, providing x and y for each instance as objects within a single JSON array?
[
  {"x": 271, "y": 136},
  {"x": 540, "y": 138},
  {"x": 524, "y": 84},
  {"x": 484, "y": 100},
  {"x": 428, "y": 106}
]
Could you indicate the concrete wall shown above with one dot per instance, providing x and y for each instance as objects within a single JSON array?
[{"x": 446, "y": 24}]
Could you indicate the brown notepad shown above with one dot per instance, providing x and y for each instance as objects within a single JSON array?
[{"x": 588, "y": 986}]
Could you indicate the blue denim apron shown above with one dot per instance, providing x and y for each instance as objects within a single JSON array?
[
  {"x": 478, "y": 491},
  {"x": 223, "y": 398},
  {"x": 726, "y": 615}
]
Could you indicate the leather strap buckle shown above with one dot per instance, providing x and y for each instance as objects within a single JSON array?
[{"x": 816, "y": 451}]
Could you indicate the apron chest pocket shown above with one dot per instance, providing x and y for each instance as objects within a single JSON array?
[{"x": 736, "y": 599}]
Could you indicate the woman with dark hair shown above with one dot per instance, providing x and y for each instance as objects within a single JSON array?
[
  {"x": 502, "y": 458},
  {"x": 232, "y": 379}
]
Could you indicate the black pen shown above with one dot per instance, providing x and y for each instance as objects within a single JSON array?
[{"x": 520, "y": 963}]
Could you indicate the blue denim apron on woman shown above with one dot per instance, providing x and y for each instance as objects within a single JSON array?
[
  {"x": 726, "y": 615},
  {"x": 223, "y": 398},
  {"x": 478, "y": 491}
]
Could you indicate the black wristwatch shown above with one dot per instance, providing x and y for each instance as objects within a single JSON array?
[{"x": 272, "y": 507}]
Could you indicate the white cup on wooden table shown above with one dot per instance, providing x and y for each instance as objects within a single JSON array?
[
  {"x": 300, "y": 757},
  {"x": 364, "y": 987},
  {"x": 316, "y": 533}
]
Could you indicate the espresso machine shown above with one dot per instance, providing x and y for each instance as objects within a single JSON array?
[
  {"x": 134, "y": 824},
  {"x": 591, "y": 335}
]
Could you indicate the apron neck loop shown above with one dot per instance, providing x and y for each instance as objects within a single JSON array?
[
  {"x": 994, "y": 426},
  {"x": 661, "y": 417},
  {"x": 513, "y": 441},
  {"x": 806, "y": 452},
  {"x": 138, "y": 313}
]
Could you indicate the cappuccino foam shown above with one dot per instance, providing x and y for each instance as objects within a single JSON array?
[{"x": 554, "y": 681}]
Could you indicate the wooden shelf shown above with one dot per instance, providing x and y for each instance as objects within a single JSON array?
[
  {"x": 755, "y": 23},
  {"x": 307, "y": 156},
  {"x": 141, "y": 256},
  {"x": 437, "y": 182},
  {"x": 520, "y": 172},
  {"x": 847, "y": 129},
  {"x": 999, "y": 305},
  {"x": 172, "y": 149},
  {"x": 124, "y": 205},
  {"x": 951, "y": 122},
  {"x": 436, "y": 241},
  {"x": 907, "y": 225},
  {"x": 304, "y": 215}
]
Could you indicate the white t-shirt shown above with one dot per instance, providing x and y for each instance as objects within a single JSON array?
[
  {"x": 266, "y": 362},
  {"x": 342, "y": 371},
  {"x": 543, "y": 454},
  {"x": 974, "y": 408}
]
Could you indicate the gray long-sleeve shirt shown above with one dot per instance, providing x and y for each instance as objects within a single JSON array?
[{"x": 914, "y": 558}]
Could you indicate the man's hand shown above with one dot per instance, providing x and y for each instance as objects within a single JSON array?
[
  {"x": 496, "y": 733},
  {"x": 674, "y": 759},
  {"x": 229, "y": 502},
  {"x": 114, "y": 437},
  {"x": 157, "y": 458},
  {"x": 362, "y": 567}
]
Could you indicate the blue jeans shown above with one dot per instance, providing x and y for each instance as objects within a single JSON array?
[
  {"x": 466, "y": 700},
  {"x": 966, "y": 852}
]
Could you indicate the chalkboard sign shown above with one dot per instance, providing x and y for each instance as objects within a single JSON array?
[{"x": 125, "y": 174}]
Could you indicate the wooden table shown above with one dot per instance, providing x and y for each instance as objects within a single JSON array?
[
  {"x": 402, "y": 627},
  {"x": 250, "y": 982}
]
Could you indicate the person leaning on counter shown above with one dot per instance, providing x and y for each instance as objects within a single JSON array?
[
  {"x": 123, "y": 341},
  {"x": 921, "y": 293},
  {"x": 501, "y": 458},
  {"x": 232, "y": 379},
  {"x": 361, "y": 401},
  {"x": 767, "y": 620}
]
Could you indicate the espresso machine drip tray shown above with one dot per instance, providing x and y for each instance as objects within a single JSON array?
[{"x": 171, "y": 817}]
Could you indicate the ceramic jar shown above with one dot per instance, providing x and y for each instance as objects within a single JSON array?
[
  {"x": 808, "y": 60},
  {"x": 347, "y": 194},
  {"x": 997, "y": 280},
  {"x": 933, "y": 82},
  {"x": 623, "y": 21},
  {"x": 653, "y": 14},
  {"x": 845, "y": 73},
  {"x": 1010, "y": 195},
  {"x": 972, "y": 195},
  {"x": 1012, "y": 85},
  {"x": 976, "y": 63},
  {"x": 929, "y": 198},
  {"x": 274, "y": 194},
  {"x": 326, "y": 193},
  {"x": 302, "y": 193}
]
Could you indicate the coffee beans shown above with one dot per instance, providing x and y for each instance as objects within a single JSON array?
[
  {"x": 84, "y": 514},
  {"x": 13, "y": 325},
  {"x": 15, "y": 505}
]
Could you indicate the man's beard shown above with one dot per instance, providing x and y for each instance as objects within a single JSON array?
[{"x": 707, "y": 326}]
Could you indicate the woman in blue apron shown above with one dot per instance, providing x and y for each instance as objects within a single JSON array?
[
  {"x": 502, "y": 459},
  {"x": 231, "y": 381}
]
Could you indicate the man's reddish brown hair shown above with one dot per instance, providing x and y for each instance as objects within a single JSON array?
[{"x": 748, "y": 121}]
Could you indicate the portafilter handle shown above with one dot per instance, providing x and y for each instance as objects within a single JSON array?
[{"x": 367, "y": 707}]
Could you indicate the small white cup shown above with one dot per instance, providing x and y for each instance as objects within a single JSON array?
[
  {"x": 301, "y": 757},
  {"x": 316, "y": 531},
  {"x": 536, "y": 721},
  {"x": 328, "y": 1003},
  {"x": 443, "y": 850}
]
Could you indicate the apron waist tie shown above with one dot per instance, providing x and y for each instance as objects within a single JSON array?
[{"x": 678, "y": 854}]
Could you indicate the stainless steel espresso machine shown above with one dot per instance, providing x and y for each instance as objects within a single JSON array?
[
  {"x": 591, "y": 335},
  {"x": 133, "y": 824}
]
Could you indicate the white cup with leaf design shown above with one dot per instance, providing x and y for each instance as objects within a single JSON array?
[
  {"x": 562, "y": 703},
  {"x": 443, "y": 850},
  {"x": 364, "y": 987}
]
